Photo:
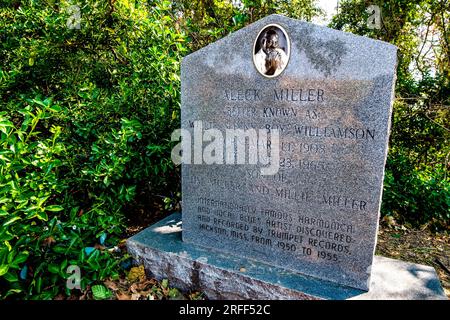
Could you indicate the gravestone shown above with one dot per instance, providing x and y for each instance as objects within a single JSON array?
[
  {"x": 318, "y": 213},
  {"x": 285, "y": 128}
]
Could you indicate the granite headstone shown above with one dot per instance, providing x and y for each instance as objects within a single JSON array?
[{"x": 313, "y": 207}]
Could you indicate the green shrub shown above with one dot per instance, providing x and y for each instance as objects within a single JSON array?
[
  {"x": 416, "y": 185},
  {"x": 100, "y": 151},
  {"x": 41, "y": 233},
  {"x": 416, "y": 196},
  {"x": 29, "y": 161}
]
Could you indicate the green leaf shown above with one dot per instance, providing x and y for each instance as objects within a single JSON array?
[
  {"x": 100, "y": 292},
  {"x": 42, "y": 216},
  {"x": 59, "y": 249},
  {"x": 53, "y": 268},
  {"x": 39, "y": 284},
  {"x": 164, "y": 283},
  {"x": 54, "y": 208},
  {"x": 21, "y": 257},
  {"x": 11, "y": 255},
  {"x": 55, "y": 108},
  {"x": 11, "y": 277},
  {"x": 11, "y": 220},
  {"x": 8, "y": 245},
  {"x": 3, "y": 269},
  {"x": 5, "y": 236},
  {"x": 12, "y": 291},
  {"x": 63, "y": 266},
  {"x": 6, "y": 123},
  {"x": 174, "y": 293}
]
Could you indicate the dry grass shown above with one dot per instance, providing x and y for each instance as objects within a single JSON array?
[{"x": 418, "y": 246}]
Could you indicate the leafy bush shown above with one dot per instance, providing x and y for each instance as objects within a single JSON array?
[
  {"x": 416, "y": 196},
  {"x": 38, "y": 238},
  {"x": 208, "y": 21},
  {"x": 416, "y": 186},
  {"x": 417, "y": 183},
  {"x": 75, "y": 166},
  {"x": 29, "y": 185}
]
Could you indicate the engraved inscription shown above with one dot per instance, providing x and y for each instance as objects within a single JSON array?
[{"x": 317, "y": 213}]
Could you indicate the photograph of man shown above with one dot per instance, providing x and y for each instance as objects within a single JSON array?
[{"x": 271, "y": 58}]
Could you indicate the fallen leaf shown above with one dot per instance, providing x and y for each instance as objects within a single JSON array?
[
  {"x": 84, "y": 296},
  {"x": 389, "y": 220},
  {"x": 134, "y": 288},
  {"x": 122, "y": 296},
  {"x": 143, "y": 285},
  {"x": 99, "y": 247},
  {"x": 111, "y": 285},
  {"x": 135, "y": 296}
]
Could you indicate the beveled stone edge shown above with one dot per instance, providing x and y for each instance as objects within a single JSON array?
[{"x": 218, "y": 282}]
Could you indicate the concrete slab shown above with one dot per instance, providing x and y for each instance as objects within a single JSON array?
[{"x": 224, "y": 276}]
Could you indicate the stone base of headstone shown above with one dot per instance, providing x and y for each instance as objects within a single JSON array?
[{"x": 223, "y": 276}]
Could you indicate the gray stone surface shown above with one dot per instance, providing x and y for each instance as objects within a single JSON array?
[
  {"x": 319, "y": 214},
  {"x": 224, "y": 276}
]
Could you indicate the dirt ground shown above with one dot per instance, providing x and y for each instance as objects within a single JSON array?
[{"x": 418, "y": 246}]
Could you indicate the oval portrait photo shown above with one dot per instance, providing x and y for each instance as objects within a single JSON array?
[{"x": 271, "y": 50}]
